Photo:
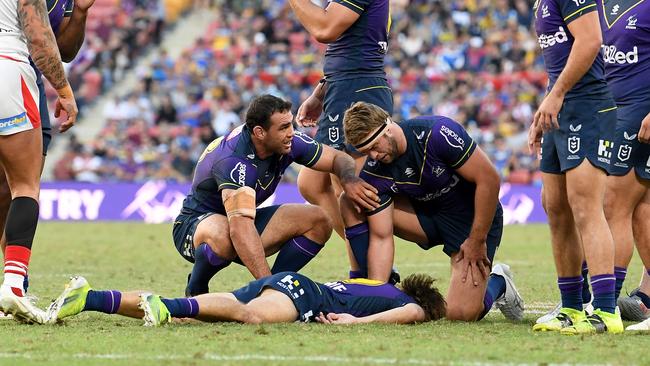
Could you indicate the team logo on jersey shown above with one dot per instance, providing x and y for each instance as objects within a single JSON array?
[
  {"x": 550, "y": 40},
  {"x": 628, "y": 137},
  {"x": 334, "y": 133},
  {"x": 545, "y": 12},
  {"x": 409, "y": 172},
  {"x": 575, "y": 128},
  {"x": 615, "y": 10},
  {"x": 612, "y": 55},
  {"x": 624, "y": 152},
  {"x": 631, "y": 22},
  {"x": 383, "y": 47},
  {"x": 438, "y": 171},
  {"x": 238, "y": 173},
  {"x": 333, "y": 119},
  {"x": 448, "y": 133},
  {"x": 573, "y": 145},
  {"x": 604, "y": 153}
]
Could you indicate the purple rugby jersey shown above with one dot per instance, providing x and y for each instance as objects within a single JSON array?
[
  {"x": 552, "y": 18},
  {"x": 360, "y": 50},
  {"x": 230, "y": 162},
  {"x": 626, "y": 49},
  {"x": 426, "y": 172},
  {"x": 57, "y": 10},
  {"x": 362, "y": 297}
]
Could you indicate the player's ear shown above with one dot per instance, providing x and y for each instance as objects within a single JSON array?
[{"x": 259, "y": 132}]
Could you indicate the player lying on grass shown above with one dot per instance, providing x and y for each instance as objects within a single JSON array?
[
  {"x": 436, "y": 188},
  {"x": 282, "y": 297},
  {"x": 220, "y": 221}
]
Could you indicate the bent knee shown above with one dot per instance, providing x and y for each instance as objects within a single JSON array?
[
  {"x": 321, "y": 223},
  {"x": 463, "y": 313}
]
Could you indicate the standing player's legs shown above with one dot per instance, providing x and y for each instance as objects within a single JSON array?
[
  {"x": 319, "y": 188},
  {"x": 298, "y": 232},
  {"x": 642, "y": 237}
]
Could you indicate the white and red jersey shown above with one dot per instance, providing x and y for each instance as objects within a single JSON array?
[{"x": 13, "y": 43}]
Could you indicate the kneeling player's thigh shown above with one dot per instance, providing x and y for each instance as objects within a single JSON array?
[
  {"x": 406, "y": 222},
  {"x": 272, "y": 306},
  {"x": 464, "y": 300},
  {"x": 292, "y": 220},
  {"x": 214, "y": 231}
]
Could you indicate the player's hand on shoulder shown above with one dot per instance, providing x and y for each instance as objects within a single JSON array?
[
  {"x": 309, "y": 112},
  {"x": 334, "y": 318},
  {"x": 547, "y": 113},
  {"x": 362, "y": 193},
  {"x": 474, "y": 259},
  {"x": 644, "y": 131}
]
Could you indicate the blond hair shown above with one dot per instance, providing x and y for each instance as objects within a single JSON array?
[{"x": 360, "y": 120}]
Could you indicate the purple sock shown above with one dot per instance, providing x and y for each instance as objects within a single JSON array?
[
  {"x": 571, "y": 292},
  {"x": 356, "y": 274},
  {"x": 182, "y": 307},
  {"x": 604, "y": 288},
  {"x": 619, "y": 273},
  {"x": 104, "y": 301},
  {"x": 295, "y": 254}
]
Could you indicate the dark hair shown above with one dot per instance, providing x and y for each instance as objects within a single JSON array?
[
  {"x": 262, "y": 108},
  {"x": 420, "y": 287}
]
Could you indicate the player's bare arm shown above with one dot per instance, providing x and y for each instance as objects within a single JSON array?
[
  {"x": 342, "y": 165},
  {"x": 240, "y": 209},
  {"x": 407, "y": 314},
  {"x": 381, "y": 246},
  {"x": 43, "y": 50},
  {"x": 73, "y": 30},
  {"x": 588, "y": 38},
  {"x": 479, "y": 170},
  {"x": 326, "y": 25}
]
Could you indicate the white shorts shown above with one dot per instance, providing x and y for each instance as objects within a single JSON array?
[{"x": 19, "y": 102}]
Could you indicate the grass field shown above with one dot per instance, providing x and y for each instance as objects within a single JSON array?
[{"x": 137, "y": 256}]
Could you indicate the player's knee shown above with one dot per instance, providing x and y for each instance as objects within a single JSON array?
[
  {"x": 462, "y": 313},
  {"x": 348, "y": 212},
  {"x": 252, "y": 316},
  {"x": 321, "y": 224}
]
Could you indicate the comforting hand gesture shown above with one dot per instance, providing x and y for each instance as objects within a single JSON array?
[
  {"x": 309, "y": 112},
  {"x": 473, "y": 255},
  {"x": 361, "y": 193},
  {"x": 547, "y": 113},
  {"x": 333, "y": 318}
]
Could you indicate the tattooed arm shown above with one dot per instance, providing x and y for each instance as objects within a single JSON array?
[{"x": 43, "y": 49}]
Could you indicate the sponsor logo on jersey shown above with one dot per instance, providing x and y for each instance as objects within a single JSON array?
[
  {"x": 550, "y": 40},
  {"x": 604, "y": 153},
  {"x": 306, "y": 139},
  {"x": 238, "y": 174},
  {"x": 333, "y": 119},
  {"x": 409, "y": 172},
  {"x": 615, "y": 9},
  {"x": 612, "y": 55},
  {"x": 419, "y": 136},
  {"x": 9, "y": 123},
  {"x": 447, "y": 133},
  {"x": 624, "y": 152},
  {"x": 573, "y": 143},
  {"x": 440, "y": 192},
  {"x": 575, "y": 128},
  {"x": 438, "y": 171},
  {"x": 628, "y": 137},
  {"x": 631, "y": 22},
  {"x": 545, "y": 12}
]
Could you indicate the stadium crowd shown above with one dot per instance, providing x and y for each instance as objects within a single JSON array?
[{"x": 476, "y": 61}]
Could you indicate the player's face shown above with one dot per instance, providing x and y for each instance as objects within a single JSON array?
[
  {"x": 384, "y": 150},
  {"x": 280, "y": 133}
]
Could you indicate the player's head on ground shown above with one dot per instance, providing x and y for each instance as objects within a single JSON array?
[
  {"x": 420, "y": 287},
  {"x": 369, "y": 129},
  {"x": 270, "y": 121}
]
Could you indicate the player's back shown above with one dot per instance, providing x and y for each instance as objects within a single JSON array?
[
  {"x": 552, "y": 18},
  {"x": 626, "y": 48},
  {"x": 13, "y": 43},
  {"x": 360, "y": 50},
  {"x": 362, "y": 297}
]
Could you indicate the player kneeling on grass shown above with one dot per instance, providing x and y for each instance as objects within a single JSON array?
[
  {"x": 436, "y": 187},
  {"x": 220, "y": 221},
  {"x": 282, "y": 297}
]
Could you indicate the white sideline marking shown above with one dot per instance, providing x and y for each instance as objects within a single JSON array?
[{"x": 263, "y": 357}]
